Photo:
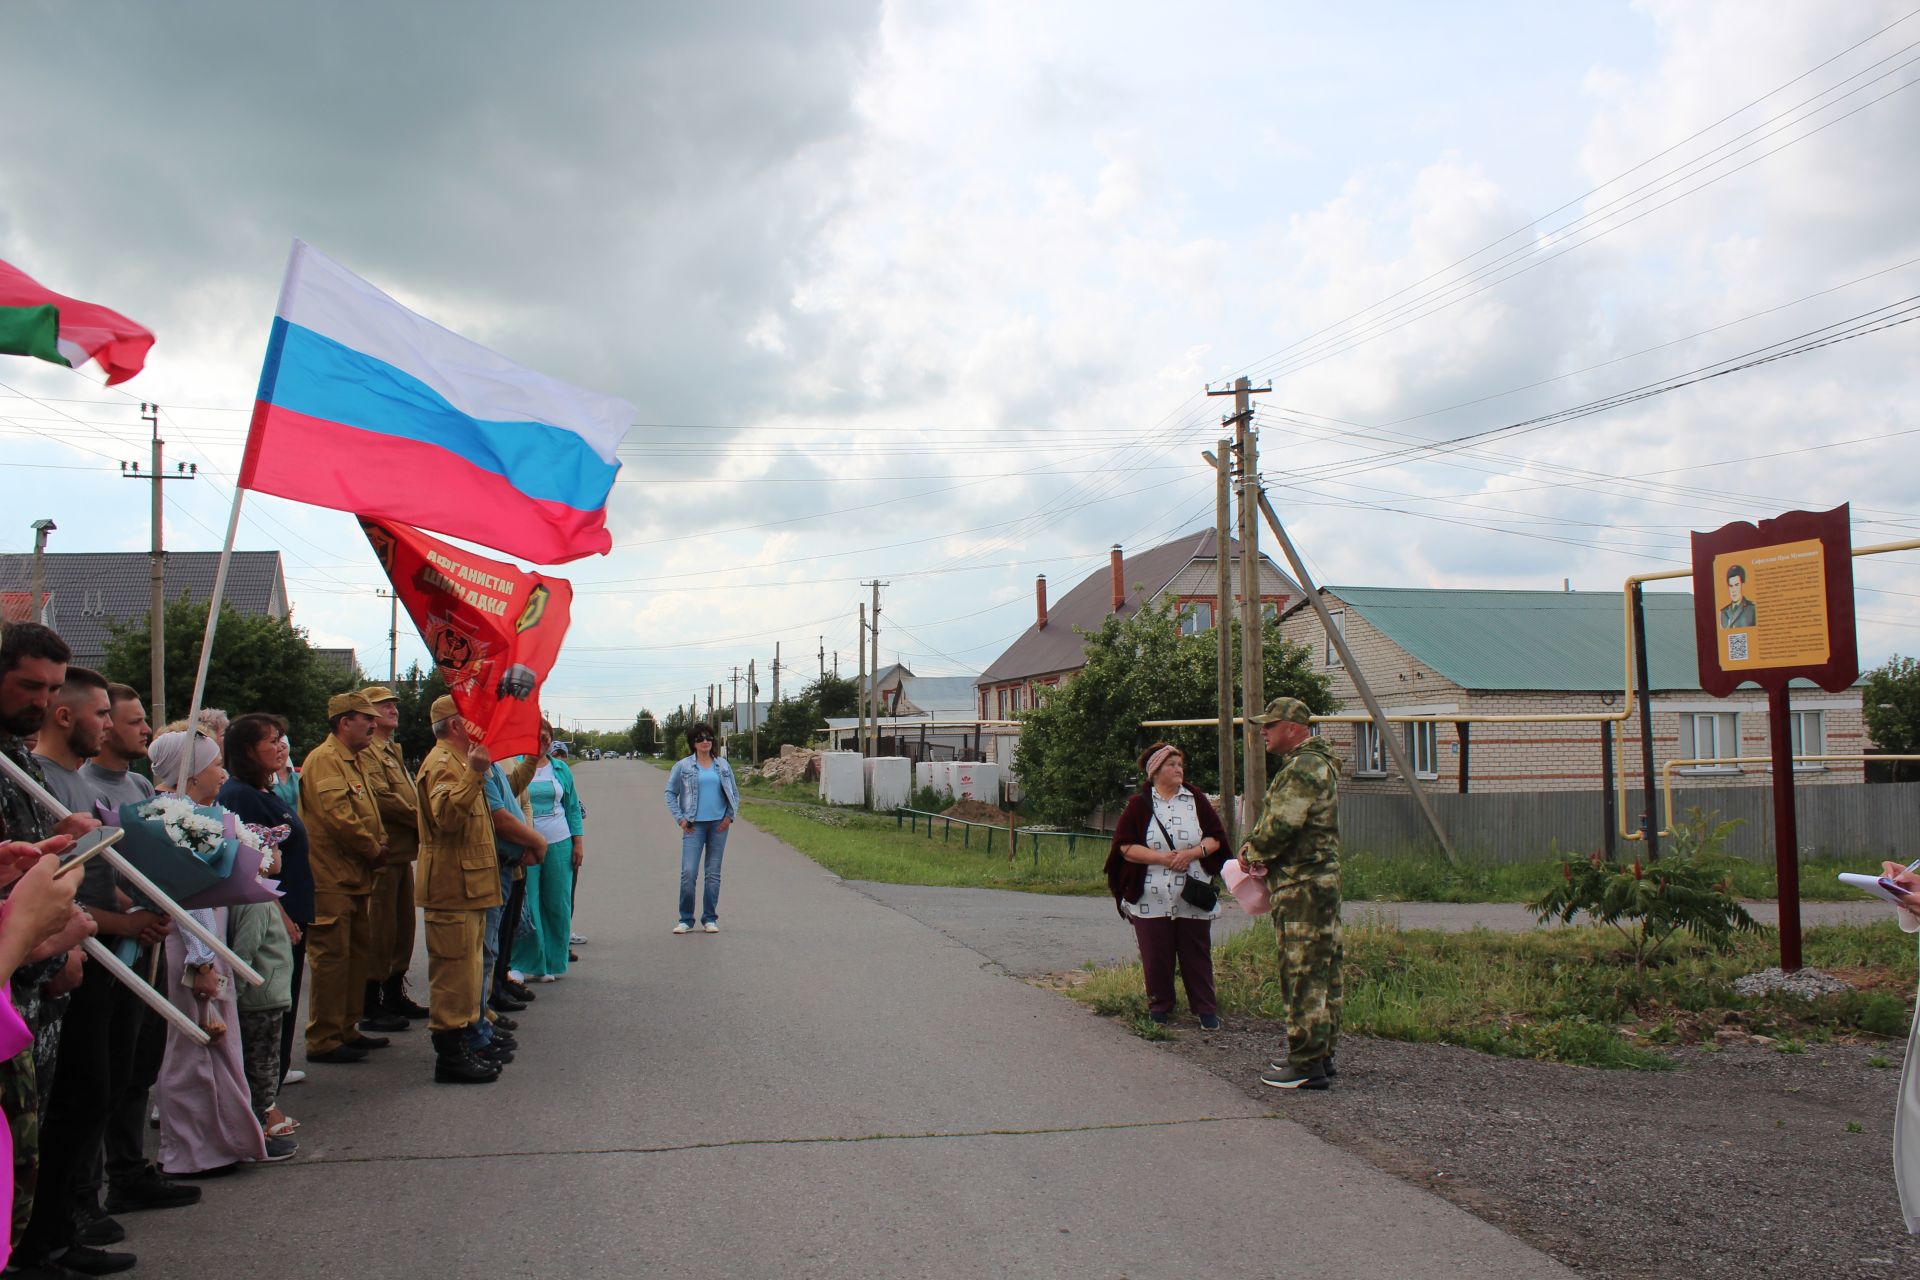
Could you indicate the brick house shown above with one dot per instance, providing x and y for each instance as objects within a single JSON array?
[
  {"x": 1052, "y": 649},
  {"x": 1443, "y": 652}
]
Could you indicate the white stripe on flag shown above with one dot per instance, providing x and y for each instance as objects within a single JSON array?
[{"x": 325, "y": 297}]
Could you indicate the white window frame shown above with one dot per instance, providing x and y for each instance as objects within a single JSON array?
[
  {"x": 1818, "y": 717},
  {"x": 1370, "y": 753},
  {"x": 1725, "y": 727},
  {"x": 1339, "y": 617},
  {"x": 1190, "y": 623},
  {"x": 1425, "y": 757}
]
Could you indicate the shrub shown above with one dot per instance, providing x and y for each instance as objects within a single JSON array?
[{"x": 1690, "y": 891}]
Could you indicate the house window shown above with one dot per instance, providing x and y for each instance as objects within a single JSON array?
[
  {"x": 1809, "y": 737},
  {"x": 1372, "y": 757},
  {"x": 1423, "y": 748},
  {"x": 1196, "y": 617},
  {"x": 1710, "y": 735},
  {"x": 1339, "y": 617},
  {"x": 1269, "y": 611}
]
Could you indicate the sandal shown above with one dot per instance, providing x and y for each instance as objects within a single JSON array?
[{"x": 283, "y": 1127}]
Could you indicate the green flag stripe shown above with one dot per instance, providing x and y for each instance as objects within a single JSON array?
[{"x": 31, "y": 331}]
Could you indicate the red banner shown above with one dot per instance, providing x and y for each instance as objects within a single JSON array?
[{"x": 494, "y": 629}]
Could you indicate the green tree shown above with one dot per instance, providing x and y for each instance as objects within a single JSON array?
[
  {"x": 833, "y": 696},
  {"x": 644, "y": 736},
  {"x": 1890, "y": 703},
  {"x": 1079, "y": 747},
  {"x": 417, "y": 691},
  {"x": 796, "y": 720},
  {"x": 258, "y": 664}
]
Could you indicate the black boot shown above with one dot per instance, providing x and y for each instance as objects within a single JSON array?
[
  {"x": 452, "y": 1064},
  {"x": 397, "y": 1000},
  {"x": 376, "y": 1016}
]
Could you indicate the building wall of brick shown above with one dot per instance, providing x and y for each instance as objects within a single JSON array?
[{"x": 1549, "y": 756}]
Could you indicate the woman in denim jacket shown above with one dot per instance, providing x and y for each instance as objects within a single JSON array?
[{"x": 703, "y": 799}]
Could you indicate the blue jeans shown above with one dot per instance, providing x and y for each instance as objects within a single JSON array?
[{"x": 707, "y": 837}]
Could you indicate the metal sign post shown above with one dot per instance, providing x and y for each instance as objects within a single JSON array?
[{"x": 1773, "y": 603}]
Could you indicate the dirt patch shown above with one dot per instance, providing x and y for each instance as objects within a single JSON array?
[
  {"x": 978, "y": 811},
  {"x": 1746, "y": 1162}
]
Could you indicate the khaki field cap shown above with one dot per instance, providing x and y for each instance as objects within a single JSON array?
[
  {"x": 1285, "y": 709},
  {"x": 342, "y": 703},
  {"x": 378, "y": 693},
  {"x": 443, "y": 709}
]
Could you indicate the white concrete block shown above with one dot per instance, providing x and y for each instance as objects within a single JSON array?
[
  {"x": 842, "y": 779},
  {"x": 887, "y": 783}
]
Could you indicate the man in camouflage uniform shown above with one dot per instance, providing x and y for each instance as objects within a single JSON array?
[
  {"x": 33, "y": 667},
  {"x": 1297, "y": 842}
]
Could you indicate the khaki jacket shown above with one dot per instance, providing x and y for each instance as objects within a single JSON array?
[
  {"x": 459, "y": 870},
  {"x": 399, "y": 802},
  {"x": 344, "y": 831}
]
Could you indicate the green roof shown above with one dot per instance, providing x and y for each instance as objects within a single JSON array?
[{"x": 1545, "y": 640}]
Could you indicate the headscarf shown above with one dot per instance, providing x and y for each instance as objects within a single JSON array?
[{"x": 168, "y": 751}]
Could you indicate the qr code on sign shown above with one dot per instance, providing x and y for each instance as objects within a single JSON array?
[{"x": 1737, "y": 647}]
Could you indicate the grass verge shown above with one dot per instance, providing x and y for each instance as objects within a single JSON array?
[
  {"x": 1414, "y": 877},
  {"x": 1564, "y": 995},
  {"x": 864, "y": 846}
]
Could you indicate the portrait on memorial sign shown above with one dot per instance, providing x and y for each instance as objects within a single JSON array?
[{"x": 1738, "y": 610}]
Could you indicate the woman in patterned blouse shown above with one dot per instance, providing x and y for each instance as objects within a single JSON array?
[{"x": 1167, "y": 835}]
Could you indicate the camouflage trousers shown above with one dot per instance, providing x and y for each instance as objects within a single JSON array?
[
  {"x": 260, "y": 1057},
  {"x": 1306, "y": 922}
]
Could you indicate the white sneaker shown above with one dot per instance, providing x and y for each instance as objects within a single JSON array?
[
  {"x": 683, "y": 928},
  {"x": 548, "y": 977},
  {"x": 577, "y": 939},
  {"x": 711, "y": 927},
  {"x": 295, "y": 1076}
]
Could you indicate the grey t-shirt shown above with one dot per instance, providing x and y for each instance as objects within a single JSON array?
[{"x": 78, "y": 789}]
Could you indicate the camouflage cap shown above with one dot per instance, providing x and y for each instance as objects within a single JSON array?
[
  {"x": 341, "y": 704},
  {"x": 1285, "y": 709},
  {"x": 379, "y": 693},
  {"x": 444, "y": 708}
]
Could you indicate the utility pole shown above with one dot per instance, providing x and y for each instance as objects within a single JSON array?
[
  {"x": 753, "y": 712},
  {"x": 157, "y": 559},
  {"x": 874, "y": 667},
  {"x": 823, "y": 659},
  {"x": 393, "y": 636},
  {"x": 860, "y": 703},
  {"x": 1223, "y": 626},
  {"x": 734, "y": 711},
  {"x": 776, "y": 672},
  {"x": 1253, "y": 698}
]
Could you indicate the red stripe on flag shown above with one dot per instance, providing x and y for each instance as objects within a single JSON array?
[{"x": 389, "y": 478}]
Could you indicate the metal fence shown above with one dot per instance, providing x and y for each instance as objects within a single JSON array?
[
  {"x": 1834, "y": 821},
  {"x": 1061, "y": 850}
]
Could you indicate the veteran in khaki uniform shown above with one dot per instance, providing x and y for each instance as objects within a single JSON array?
[
  {"x": 387, "y": 1006},
  {"x": 459, "y": 881},
  {"x": 1298, "y": 841},
  {"x": 346, "y": 844}
]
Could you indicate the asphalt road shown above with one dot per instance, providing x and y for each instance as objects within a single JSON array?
[{"x": 828, "y": 1088}]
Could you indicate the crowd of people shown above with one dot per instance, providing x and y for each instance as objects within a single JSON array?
[{"x": 89, "y": 1068}]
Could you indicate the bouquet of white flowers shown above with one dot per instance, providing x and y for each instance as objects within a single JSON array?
[{"x": 200, "y": 855}]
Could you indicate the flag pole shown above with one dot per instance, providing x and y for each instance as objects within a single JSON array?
[
  {"x": 206, "y": 638},
  {"x": 49, "y": 802},
  {"x": 153, "y": 999}
]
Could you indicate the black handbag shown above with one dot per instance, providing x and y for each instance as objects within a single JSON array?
[{"x": 1198, "y": 894}]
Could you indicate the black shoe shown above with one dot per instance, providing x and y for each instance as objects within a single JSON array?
[
  {"x": 501, "y": 1022},
  {"x": 399, "y": 1002},
  {"x": 372, "y": 1003},
  {"x": 494, "y": 1055},
  {"x": 343, "y": 1053},
  {"x": 366, "y": 1044},
  {"x": 452, "y": 1064},
  {"x": 94, "y": 1228},
  {"x": 152, "y": 1190},
  {"x": 19, "y": 1270},
  {"x": 95, "y": 1262},
  {"x": 1326, "y": 1066},
  {"x": 385, "y": 1022},
  {"x": 505, "y": 1039},
  {"x": 1308, "y": 1077},
  {"x": 506, "y": 1004},
  {"x": 1160, "y": 1018},
  {"x": 573, "y": 957},
  {"x": 519, "y": 991},
  {"x": 218, "y": 1171}
]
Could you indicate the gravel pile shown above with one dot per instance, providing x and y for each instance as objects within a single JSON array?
[{"x": 1808, "y": 984}]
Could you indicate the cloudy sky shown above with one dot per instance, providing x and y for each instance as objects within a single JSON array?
[{"x": 931, "y": 292}]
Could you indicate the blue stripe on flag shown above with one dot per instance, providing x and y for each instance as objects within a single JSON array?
[{"x": 324, "y": 379}]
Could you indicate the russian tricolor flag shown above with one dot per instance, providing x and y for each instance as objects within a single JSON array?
[{"x": 366, "y": 407}]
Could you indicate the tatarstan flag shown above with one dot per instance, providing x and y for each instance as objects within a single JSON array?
[{"x": 35, "y": 321}]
